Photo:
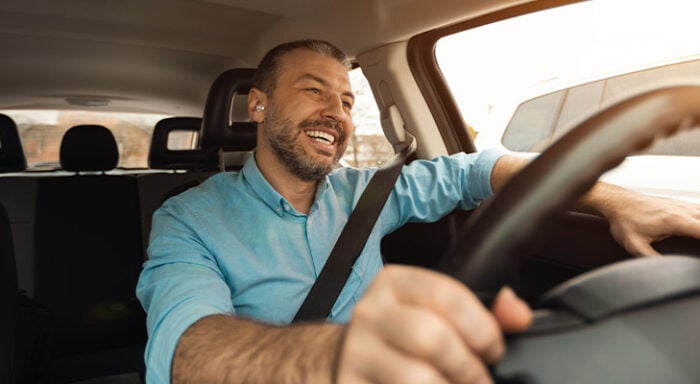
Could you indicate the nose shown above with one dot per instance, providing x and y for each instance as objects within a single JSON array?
[{"x": 333, "y": 109}]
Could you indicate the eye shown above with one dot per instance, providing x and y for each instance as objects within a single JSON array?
[
  {"x": 314, "y": 90},
  {"x": 347, "y": 105}
]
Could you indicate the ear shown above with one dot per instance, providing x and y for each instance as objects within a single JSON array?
[{"x": 256, "y": 97}]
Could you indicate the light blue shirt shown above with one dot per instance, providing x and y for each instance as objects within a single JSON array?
[{"x": 234, "y": 245}]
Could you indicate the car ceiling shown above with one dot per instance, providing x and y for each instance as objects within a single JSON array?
[{"x": 161, "y": 56}]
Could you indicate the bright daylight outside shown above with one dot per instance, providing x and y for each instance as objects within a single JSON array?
[{"x": 541, "y": 73}]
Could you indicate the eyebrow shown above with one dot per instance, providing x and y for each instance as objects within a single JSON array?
[{"x": 309, "y": 76}]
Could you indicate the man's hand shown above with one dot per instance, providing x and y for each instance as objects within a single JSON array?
[
  {"x": 417, "y": 326},
  {"x": 637, "y": 220},
  {"x": 411, "y": 326}
]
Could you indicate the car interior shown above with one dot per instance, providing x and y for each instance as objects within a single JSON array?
[{"x": 73, "y": 237}]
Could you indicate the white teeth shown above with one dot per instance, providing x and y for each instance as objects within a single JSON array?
[{"x": 321, "y": 136}]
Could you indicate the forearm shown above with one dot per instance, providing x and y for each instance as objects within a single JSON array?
[
  {"x": 600, "y": 199},
  {"x": 504, "y": 168},
  {"x": 636, "y": 220},
  {"x": 227, "y": 349}
]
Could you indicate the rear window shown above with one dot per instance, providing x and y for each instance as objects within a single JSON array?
[{"x": 41, "y": 132}]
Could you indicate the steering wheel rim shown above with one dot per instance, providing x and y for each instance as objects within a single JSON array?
[{"x": 485, "y": 253}]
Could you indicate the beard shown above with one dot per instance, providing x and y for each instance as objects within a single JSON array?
[{"x": 283, "y": 137}]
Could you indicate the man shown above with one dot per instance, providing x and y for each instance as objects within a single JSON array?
[{"x": 231, "y": 261}]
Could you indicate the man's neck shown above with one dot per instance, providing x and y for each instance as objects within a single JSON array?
[{"x": 298, "y": 192}]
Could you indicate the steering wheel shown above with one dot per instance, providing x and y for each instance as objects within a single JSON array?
[{"x": 601, "y": 306}]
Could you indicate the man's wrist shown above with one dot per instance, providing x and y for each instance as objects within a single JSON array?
[{"x": 602, "y": 199}]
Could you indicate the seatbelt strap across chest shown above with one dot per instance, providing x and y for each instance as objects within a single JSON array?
[{"x": 352, "y": 239}]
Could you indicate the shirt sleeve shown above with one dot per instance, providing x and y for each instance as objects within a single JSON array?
[
  {"x": 180, "y": 284},
  {"x": 427, "y": 190}
]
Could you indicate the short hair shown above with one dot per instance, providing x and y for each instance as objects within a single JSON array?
[{"x": 266, "y": 75}]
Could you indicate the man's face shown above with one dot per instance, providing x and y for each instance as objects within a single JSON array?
[{"x": 307, "y": 121}]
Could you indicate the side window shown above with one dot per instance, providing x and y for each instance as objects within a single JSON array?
[
  {"x": 522, "y": 82},
  {"x": 368, "y": 147},
  {"x": 180, "y": 140}
]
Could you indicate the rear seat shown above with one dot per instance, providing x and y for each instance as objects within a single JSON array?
[
  {"x": 88, "y": 257},
  {"x": 25, "y": 327},
  {"x": 18, "y": 195},
  {"x": 80, "y": 240},
  {"x": 8, "y": 303}
]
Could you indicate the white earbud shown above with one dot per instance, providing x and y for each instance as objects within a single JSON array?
[{"x": 259, "y": 107}]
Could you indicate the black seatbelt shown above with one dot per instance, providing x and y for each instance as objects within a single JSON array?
[{"x": 352, "y": 239}]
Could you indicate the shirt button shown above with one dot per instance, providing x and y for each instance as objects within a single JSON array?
[
  {"x": 287, "y": 207},
  {"x": 310, "y": 221}
]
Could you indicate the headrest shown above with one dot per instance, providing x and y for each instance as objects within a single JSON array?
[
  {"x": 160, "y": 157},
  {"x": 11, "y": 154},
  {"x": 218, "y": 129},
  {"x": 89, "y": 148}
]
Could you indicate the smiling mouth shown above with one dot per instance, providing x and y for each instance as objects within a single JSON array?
[{"x": 322, "y": 137}]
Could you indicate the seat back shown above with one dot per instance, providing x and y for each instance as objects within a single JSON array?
[
  {"x": 88, "y": 257},
  {"x": 11, "y": 160},
  {"x": 18, "y": 195},
  {"x": 24, "y": 324},
  {"x": 8, "y": 268},
  {"x": 8, "y": 304}
]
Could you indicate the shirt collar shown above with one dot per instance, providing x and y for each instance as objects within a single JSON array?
[{"x": 267, "y": 193}]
